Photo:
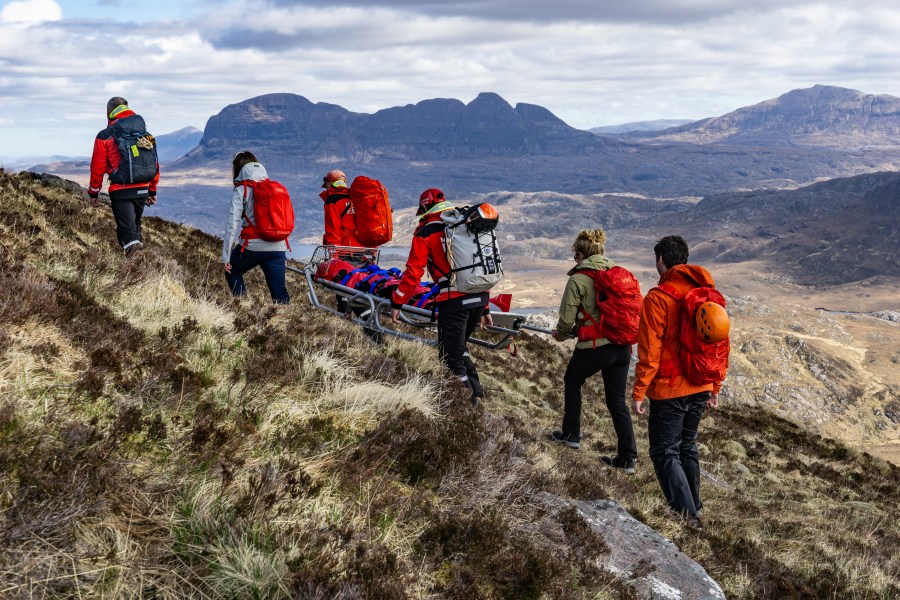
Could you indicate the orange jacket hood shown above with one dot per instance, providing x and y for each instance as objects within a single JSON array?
[
  {"x": 657, "y": 336},
  {"x": 686, "y": 277}
]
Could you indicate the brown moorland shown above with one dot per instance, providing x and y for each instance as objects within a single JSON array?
[{"x": 159, "y": 439}]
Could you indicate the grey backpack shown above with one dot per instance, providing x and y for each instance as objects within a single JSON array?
[{"x": 472, "y": 249}]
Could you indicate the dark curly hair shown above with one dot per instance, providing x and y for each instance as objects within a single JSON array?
[
  {"x": 241, "y": 159},
  {"x": 673, "y": 250}
]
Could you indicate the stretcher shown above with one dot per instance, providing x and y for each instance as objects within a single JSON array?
[{"x": 372, "y": 312}]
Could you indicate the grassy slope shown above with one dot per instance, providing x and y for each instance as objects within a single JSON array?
[{"x": 158, "y": 438}]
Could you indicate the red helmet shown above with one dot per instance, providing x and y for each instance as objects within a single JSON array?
[
  {"x": 713, "y": 323},
  {"x": 334, "y": 176},
  {"x": 429, "y": 198}
]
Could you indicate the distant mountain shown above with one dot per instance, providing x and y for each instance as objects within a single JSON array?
[
  {"x": 21, "y": 163},
  {"x": 290, "y": 126},
  {"x": 488, "y": 145},
  {"x": 178, "y": 143},
  {"x": 821, "y": 116},
  {"x": 655, "y": 125}
]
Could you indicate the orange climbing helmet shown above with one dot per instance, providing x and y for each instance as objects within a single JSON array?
[{"x": 713, "y": 323}]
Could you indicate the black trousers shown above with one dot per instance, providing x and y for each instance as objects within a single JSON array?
[
  {"x": 612, "y": 362},
  {"x": 672, "y": 428},
  {"x": 454, "y": 329},
  {"x": 128, "y": 213}
]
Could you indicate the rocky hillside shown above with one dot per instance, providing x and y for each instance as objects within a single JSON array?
[
  {"x": 822, "y": 116},
  {"x": 159, "y": 439}
]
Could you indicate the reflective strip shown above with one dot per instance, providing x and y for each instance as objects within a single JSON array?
[
  {"x": 130, "y": 244},
  {"x": 471, "y": 300},
  {"x": 399, "y": 293},
  {"x": 93, "y": 189},
  {"x": 117, "y": 111},
  {"x": 464, "y": 378},
  {"x": 466, "y": 354},
  {"x": 366, "y": 313}
]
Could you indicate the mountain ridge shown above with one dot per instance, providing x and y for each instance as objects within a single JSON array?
[{"x": 818, "y": 116}]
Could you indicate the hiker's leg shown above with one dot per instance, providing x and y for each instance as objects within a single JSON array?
[
  {"x": 615, "y": 378},
  {"x": 582, "y": 365},
  {"x": 123, "y": 211},
  {"x": 690, "y": 455},
  {"x": 241, "y": 262},
  {"x": 474, "y": 318},
  {"x": 273, "y": 267},
  {"x": 452, "y": 343},
  {"x": 664, "y": 430},
  {"x": 139, "y": 204}
]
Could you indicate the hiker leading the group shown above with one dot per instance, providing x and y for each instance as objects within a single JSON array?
[
  {"x": 240, "y": 250},
  {"x": 458, "y": 314},
  {"x": 127, "y": 154},
  {"x": 676, "y": 404},
  {"x": 579, "y": 302}
]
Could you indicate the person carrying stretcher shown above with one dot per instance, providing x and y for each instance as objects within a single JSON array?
[{"x": 458, "y": 314}]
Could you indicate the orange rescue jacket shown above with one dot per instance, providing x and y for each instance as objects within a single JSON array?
[{"x": 658, "y": 335}]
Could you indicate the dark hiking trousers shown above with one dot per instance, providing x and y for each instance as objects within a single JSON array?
[
  {"x": 612, "y": 362},
  {"x": 672, "y": 428},
  {"x": 454, "y": 329},
  {"x": 128, "y": 213},
  {"x": 272, "y": 265}
]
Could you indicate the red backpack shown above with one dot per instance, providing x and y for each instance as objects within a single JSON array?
[
  {"x": 374, "y": 220},
  {"x": 273, "y": 212},
  {"x": 619, "y": 300},
  {"x": 698, "y": 361}
]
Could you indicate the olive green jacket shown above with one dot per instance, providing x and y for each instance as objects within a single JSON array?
[{"x": 580, "y": 295}]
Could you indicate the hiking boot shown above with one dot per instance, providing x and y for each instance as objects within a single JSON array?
[
  {"x": 693, "y": 523},
  {"x": 133, "y": 250},
  {"x": 568, "y": 440},
  {"x": 625, "y": 464}
]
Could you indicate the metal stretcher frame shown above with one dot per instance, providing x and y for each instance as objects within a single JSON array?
[{"x": 377, "y": 307}]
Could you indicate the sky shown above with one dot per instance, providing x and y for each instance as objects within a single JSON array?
[{"x": 592, "y": 63}]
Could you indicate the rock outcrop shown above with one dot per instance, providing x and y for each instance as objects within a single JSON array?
[{"x": 642, "y": 557}]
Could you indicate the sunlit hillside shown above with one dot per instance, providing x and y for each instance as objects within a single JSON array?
[{"x": 159, "y": 439}]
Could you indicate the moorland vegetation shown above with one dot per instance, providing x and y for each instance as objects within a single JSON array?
[{"x": 161, "y": 439}]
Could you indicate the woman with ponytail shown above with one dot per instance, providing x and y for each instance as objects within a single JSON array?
[{"x": 579, "y": 303}]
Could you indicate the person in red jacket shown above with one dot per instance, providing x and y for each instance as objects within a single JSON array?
[
  {"x": 340, "y": 221},
  {"x": 458, "y": 314},
  {"x": 129, "y": 191},
  {"x": 676, "y": 404}
]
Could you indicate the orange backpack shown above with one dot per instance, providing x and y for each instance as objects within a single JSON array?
[
  {"x": 374, "y": 220},
  {"x": 619, "y": 300},
  {"x": 698, "y": 361},
  {"x": 273, "y": 213}
]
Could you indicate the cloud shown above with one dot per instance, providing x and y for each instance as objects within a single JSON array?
[
  {"x": 30, "y": 11},
  {"x": 580, "y": 11},
  {"x": 588, "y": 63}
]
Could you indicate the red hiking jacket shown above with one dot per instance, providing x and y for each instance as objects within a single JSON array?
[
  {"x": 105, "y": 160},
  {"x": 427, "y": 251},
  {"x": 340, "y": 222}
]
